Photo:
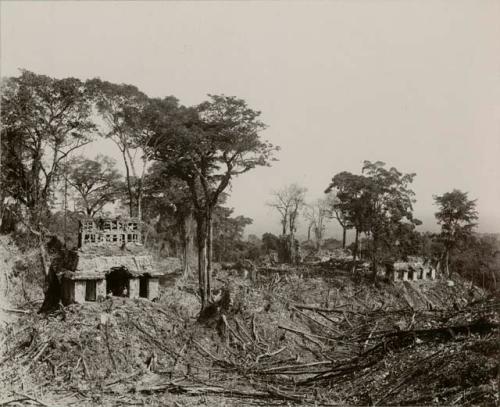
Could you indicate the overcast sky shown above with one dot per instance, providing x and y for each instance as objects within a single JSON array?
[{"x": 415, "y": 84}]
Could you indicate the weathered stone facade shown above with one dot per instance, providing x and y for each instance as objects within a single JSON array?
[
  {"x": 413, "y": 270},
  {"x": 134, "y": 288},
  {"x": 111, "y": 232},
  {"x": 80, "y": 286},
  {"x": 153, "y": 288},
  {"x": 110, "y": 260},
  {"x": 101, "y": 289}
]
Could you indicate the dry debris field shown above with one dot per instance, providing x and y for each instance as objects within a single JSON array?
[{"x": 310, "y": 335}]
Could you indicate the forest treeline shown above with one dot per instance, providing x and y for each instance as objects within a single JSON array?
[{"x": 179, "y": 164}]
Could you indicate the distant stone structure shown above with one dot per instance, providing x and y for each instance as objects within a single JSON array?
[
  {"x": 340, "y": 256},
  {"x": 110, "y": 260},
  {"x": 413, "y": 270}
]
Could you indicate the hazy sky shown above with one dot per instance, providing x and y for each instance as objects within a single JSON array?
[{"x": 415, "y": 84}]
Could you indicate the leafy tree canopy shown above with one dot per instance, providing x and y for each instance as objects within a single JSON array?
[
  {"x": 97, "y": 182},
  {"x": 456, "y": 215},
  {"x": 43, "y": 120},
  {"x": 378, "y": 203}
]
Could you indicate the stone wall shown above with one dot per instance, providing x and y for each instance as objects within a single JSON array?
[
  {"x": 133, "y": 288},
  {"x": 424, "y": 273},
  {"x": 109, "y": 232},
  {"x": 74, "y": 290},
  {"x": 79, "y": 291},
  {"x": 153, "y": 288},
  {"x": 100, "y": 289}
]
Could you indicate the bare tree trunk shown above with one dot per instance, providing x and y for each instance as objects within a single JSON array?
[
  {"x": 2, "y": 210},
  {"x": 447, "y": 262},
  {"x": 356, "y": 244},
  {"x": 52, "y": 288},
  {"x": 202, "y": 272},
  {"x": 139, "y": 203},
  {"x": 185, "y": 248},
  {"x": 344, "y": 232},
  {"x": 292, "y": 238},
  {"x": 129, "y": 185},
  {"x": 319, "y": 236},
  {"x": 355, "y": 251},
  {"x": 140, "y": 187},
  {"x": 202, "y": 260},
  {"x": 209, "y": 253},
  {"x": 43, "y": 257},
  {"x": 372, "y": 255},
  {"x": 185, "y": 257}
]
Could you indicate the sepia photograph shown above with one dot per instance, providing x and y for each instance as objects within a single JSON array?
[{"x": 249, "y": 203}]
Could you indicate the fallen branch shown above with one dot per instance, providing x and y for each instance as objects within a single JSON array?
[
  {"x": 27, "y": 397},
  {"x": 17, "y": 311},
  {"x": 302, "y": 366},
  {"x": 231, "y": 330},
  {"x": 254, "y": 329},
  {"x": 38, "y": 355},
  {"x": 305, "y": 335},
  {"x": 269, "y": 354},
  {"x": 321, "y": 309},
  {"x": 194, "y": 390}
]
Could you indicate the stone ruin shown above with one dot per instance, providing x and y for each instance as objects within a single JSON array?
[
  {"x": 413, "y": 270},
  {"x": 110, "y": 261},
  {"x": 341, "y": 256}
]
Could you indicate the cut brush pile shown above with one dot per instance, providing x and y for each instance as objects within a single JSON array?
[{"x": 299, "y": 337}]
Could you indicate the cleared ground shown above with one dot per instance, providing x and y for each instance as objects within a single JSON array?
[{"x": 311, "y": 335}]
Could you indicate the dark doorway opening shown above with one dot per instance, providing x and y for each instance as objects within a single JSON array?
[
  {"x": 118, "y": 282},
  {"x": 90, "y": 290},
  {"x": 143, "y": 287}
]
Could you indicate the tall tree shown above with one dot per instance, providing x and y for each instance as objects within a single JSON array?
[
  {"x": 478, "y": 259},
  {"x": 351, "y": 204},
  {"x": 129, "y": 116},
  {"x": 456, "y": 215},
  {"x": 168, "y": 200},
  {"x": 207, "y": 147},
  {"x": 289, "y": 202},
  {"x": 228, "y": 233},
  {"x": 378, "y": 203},
  {"x": 270, "y": 242},
  {"x": 97, "y": 182},
  {"x": 317, "y": 214},
  {"x": 334, "y": 211},
  {"x": 391, "y": 209},
  {"x": 43, "y": 121},
  {"x": 142, "y": 124}
]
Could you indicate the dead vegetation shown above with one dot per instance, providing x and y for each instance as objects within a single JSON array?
[{"x": 304, "y": 336}]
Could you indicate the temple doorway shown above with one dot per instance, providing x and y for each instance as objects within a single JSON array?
[{"x": 118, "y": 282}]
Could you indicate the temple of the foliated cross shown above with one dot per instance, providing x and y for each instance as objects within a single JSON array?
[{"x": 110, "y": 260}]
